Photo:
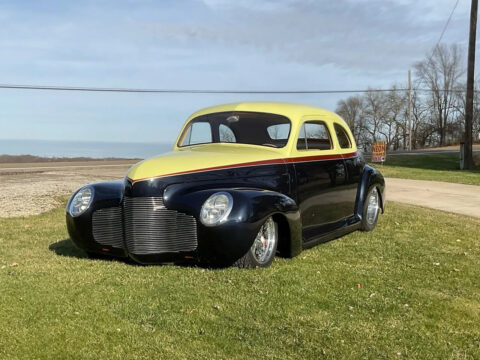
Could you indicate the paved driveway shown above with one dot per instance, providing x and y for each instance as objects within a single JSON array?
[{"x": 456, "y": 198}]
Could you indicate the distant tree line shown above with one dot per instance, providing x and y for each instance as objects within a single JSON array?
[{"x": 437, "y": 115}]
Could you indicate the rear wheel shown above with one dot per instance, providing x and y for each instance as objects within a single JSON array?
[
  {"x": 371, "y": 209},
  {"x": 263, "y": 250}
]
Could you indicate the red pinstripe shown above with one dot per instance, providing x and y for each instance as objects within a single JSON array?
[{"x": 257, "y": 163}]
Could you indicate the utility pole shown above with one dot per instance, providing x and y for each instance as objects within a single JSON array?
[
  {"x": 409, "y": 110},
  {"x": 468, "y": 163}
]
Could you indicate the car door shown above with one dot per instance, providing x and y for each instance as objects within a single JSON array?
[
  {"x": 353, "y": 165},
  {"x": 320, "y": 173}
]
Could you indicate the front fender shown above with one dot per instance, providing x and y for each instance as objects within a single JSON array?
[
  {"x": 105, "y": 194},
  {"x": 230, "y": 240}
]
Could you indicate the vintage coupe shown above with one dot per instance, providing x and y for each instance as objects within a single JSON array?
[{"x": 244, "y": 182}]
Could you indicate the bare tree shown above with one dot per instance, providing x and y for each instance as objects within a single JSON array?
[
  {"x": 476, "y": 115},
  {"x": 460, "y": 108},
  {"x": 441, "y": 71},
  {"x": 374, "y": 114},
  {"x": 423, "y": 127},
  {"x": 351, "y": 111},
  {"x": 437, "y": 115},
  {"x": 394, "y": 118}
]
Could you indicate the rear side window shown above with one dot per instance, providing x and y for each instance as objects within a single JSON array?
[
  {"x": 279, "y": 132},
  {"x": 198, "y": 133},
  {"x": 314, "y": 135},
  {"x": 226, "y": 134},
  {"x": 342, "y": 136}
]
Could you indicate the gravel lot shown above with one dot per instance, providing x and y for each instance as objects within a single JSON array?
[{"x": 29, "y": 189}]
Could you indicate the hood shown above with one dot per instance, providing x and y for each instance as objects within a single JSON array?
[{"x": 206, "y": 157}]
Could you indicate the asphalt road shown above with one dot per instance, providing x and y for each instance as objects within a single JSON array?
[
  {"x": 429, "y": 152},
  {"x": 444, "y": 150}
]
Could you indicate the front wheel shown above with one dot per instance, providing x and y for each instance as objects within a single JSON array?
[
  {"x": 371, "y": 209},
  {"x": 263, "y": 250}
]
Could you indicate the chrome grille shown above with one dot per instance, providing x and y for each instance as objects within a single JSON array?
[
  {"x": 150, "y": 228},
  {"x": 107, "y": 227}
]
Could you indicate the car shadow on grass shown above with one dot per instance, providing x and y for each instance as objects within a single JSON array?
[{"x": 66, "y": 248}]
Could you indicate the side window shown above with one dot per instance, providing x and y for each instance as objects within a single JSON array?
[
  {"x": 314, "y": 135},
  {"x": 226, "y": 134},
  {"x": 198, "y": 133},
  {"x": 342, "y": 136},
  {"x": 279, "y": 131},
  {"x": 278, "y": 134}
]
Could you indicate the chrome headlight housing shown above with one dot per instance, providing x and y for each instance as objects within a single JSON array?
[
  {"x": 81, "y": 201},
  {"x": 216, "y": 209}
]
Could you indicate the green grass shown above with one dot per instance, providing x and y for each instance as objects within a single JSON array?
[
  {"x": 419, "y": 298},
  {"x": 438, "y": 167}
]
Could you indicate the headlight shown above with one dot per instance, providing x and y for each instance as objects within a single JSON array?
[
  {"x": 81, "y": 201},
  {"x": 216, "y": 209}
]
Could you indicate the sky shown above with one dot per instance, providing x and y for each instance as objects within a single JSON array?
[{"x": 199, "y": 44}]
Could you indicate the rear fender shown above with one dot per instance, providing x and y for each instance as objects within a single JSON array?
[{"x": 371, "y": 177}]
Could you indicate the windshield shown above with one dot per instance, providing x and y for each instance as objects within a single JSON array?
[{"x": 237, "y": 127}]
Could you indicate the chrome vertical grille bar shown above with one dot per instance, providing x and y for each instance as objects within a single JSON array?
[
  {"x": 107, "y": 227},
  {"x": 150, "y": 228}
]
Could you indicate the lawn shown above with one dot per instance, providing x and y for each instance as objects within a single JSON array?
[
  {"x": 410, "y": 289},
  {"x": 438, "y": 167}
]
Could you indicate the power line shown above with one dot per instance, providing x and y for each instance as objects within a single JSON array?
[
  {"x": 206, "y": 91},
  {"x": 446, "y": 24},
  {"x": 182, "y": 91}
]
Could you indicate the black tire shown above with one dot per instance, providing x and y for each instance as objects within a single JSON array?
[
  {"x": 251, "y": 259},
  {"x": 369, "y": 219}
]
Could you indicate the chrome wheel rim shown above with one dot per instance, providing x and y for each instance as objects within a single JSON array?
[
  {"x": 372, "y": 207},
  {"x": 264, "y": 243}
]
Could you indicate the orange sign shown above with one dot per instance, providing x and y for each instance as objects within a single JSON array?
[{"x": 379, "y": 151}]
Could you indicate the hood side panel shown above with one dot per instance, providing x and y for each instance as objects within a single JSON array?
[
  {"x": 268, "y": 177},
  {"x": 203, "y": 158}
]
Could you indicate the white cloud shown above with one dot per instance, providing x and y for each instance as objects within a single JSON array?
[{"x": 214, "y": 44}]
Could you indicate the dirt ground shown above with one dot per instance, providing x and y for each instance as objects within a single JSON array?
[{"x": 29, "y": 189}]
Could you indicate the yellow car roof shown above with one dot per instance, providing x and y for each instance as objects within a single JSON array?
[
  {"x": 291, "y": 110},
  {"x": 215, "y": 156}
]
